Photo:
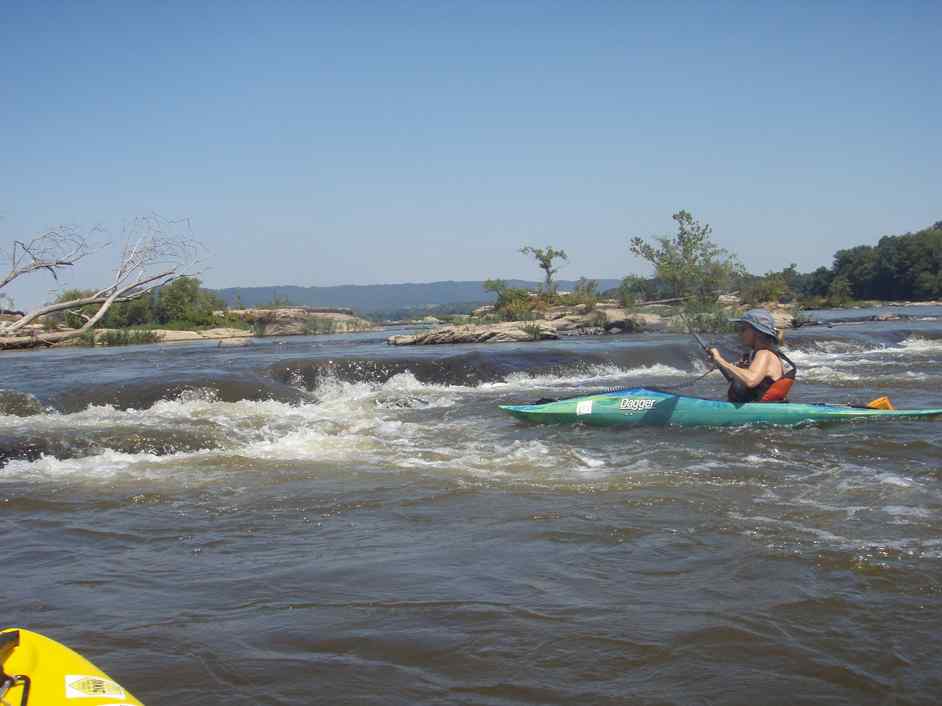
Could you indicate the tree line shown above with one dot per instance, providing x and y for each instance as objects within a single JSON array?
[
  {"x": 905, "y": 266},
  {"x": 181, "y": 304},
  {"x": 152, "y": 283},
  {"x": 689, "y": 267}
]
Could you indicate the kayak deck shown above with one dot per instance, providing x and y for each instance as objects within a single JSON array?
[
  {"x": 38, "y": 671},
  {"x": 641, "y": 406}
]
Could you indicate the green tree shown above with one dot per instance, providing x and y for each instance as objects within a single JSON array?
[
  {"x": 183, "y": 301},
  {"x": 175, "y": 300},
  {"x": 137, "y": 312},
  {"x": 689, "y": 263},
  {"x": 497, "y": 286},
  {"x": 587, "y": 287},
  {"x": 586, "y": 292},
  {"x": 839, "y": 293},
  {"x": 815, "y": 284},
  {"x": 73, "y": 318},
  {"x": 631, "y": 291},
  {"x": 773, "y": 287},
  {"x": 545, "y": 257},
  {"x": 513, "y": 303},
  {"x": 858, "y": 265},
  {"x": 929, "y": 285}
]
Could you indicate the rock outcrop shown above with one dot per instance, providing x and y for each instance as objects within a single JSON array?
[
  {"x": 175, "y": 336},
  {"x": 209, "y": 334},
  {"x": 506, "y": 332},
  {"x": 784, "y": 314},
  {"x": 557, "y": 322},
  {"x": 606, "y": 317},
  {"x": 299, "y": 321}
]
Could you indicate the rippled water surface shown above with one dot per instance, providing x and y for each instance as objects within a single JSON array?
[{"x": 329, "y": 520}]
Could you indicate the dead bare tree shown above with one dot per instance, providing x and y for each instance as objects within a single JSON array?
[{"x": 154, "y": 253}]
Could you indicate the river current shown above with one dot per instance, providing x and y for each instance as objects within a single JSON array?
[{"x": 330, "y": 520}]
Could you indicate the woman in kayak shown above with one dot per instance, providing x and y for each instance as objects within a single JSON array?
[{"x": 760, "y": 375}]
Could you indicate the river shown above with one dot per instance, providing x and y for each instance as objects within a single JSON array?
[{"x": 333, "y": 521}]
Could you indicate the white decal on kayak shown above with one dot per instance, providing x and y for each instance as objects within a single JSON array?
[
  {"x": 584, "y": 408},
  {"x": 84, "y": 686},
  {"x": 636, "y": 405}
]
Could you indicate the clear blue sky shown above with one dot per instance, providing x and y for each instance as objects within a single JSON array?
[{"x": 319, "y": 143}]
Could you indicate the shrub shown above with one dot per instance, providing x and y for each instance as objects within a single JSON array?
[
  {"x": 120, "y": 337},
  {"x": 513, "y": 303},
  {"x": 518, "y": 309},
  {"x": 690, "y": 263},
  {"x": 839, "y": 293},
  {"x": 599, "y": 319},
  {"x": 771, "y": 288},
  {"x": 631, "y": 291},
  {"x": 586, "y": 294},
  {"x": 706, "y": 318},
  {"x": 125, "y": 337},
  {"x": 86, "y": 339}
]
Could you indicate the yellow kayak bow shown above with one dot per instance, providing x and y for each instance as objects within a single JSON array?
[{"x": 37, "y": 671}]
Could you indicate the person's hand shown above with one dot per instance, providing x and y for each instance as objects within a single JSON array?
[{"x": 714, "y": 355}]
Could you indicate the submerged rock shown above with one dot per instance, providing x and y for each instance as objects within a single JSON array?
[{"x": 19, "y": 404}]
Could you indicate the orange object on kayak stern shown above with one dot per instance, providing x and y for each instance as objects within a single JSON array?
[{"x": 880, "y": 403}]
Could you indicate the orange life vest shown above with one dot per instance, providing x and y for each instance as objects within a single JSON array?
[{"x": 768, "y": 390}]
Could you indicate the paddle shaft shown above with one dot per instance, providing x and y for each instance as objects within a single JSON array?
[{"x": 726, "y": 374}]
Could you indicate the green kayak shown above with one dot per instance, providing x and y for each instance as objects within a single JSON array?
[{"x": 642, "y": 406}]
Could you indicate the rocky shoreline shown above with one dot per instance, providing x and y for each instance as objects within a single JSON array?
[
  {"x": 300, "y": 320},
  {"x": 284, "y": 321},
  {"x": 605, "y": 318}
]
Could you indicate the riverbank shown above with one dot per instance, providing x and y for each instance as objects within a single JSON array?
[
  {"x": 299, "y": 320},
  {"x": 174, "y": 336},
  {"x": 608, "y": 318},
  {"x": 259, "y": 322},
  {"x": 604, "y": 318}
]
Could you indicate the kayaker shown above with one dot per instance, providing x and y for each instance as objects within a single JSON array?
[{"x": 760, "y": 376}]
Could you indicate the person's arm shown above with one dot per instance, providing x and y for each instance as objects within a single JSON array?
[{"x": 750, "y": 376}]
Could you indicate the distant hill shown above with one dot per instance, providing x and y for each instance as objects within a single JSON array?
[{"x": 371, "y": 298}]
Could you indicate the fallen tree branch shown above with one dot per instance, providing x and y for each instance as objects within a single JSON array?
[
  {"x": 148, "y": 246},
  {"x": 56, "y": 249}
]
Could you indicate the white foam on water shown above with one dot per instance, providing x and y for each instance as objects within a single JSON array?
[
  {"x": 916, "y": 344},
  {"x": 383, "y": 425},
  {"x": 818, "y": 536},
  {"x": 761, "y": 460},
  {"x": 592, "y": 375},
  {"x": 908, "y": 512},
  {"x": 349, "y": 423},
  {"x": 589, "y": 461},
  {"x": 390, "y": 426},
  {"x": 102, "y": 466},
  {"x": 827, "y": 374},
  {"x": 893, "y": 479},
  {"x": 825, "y": 361}
]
